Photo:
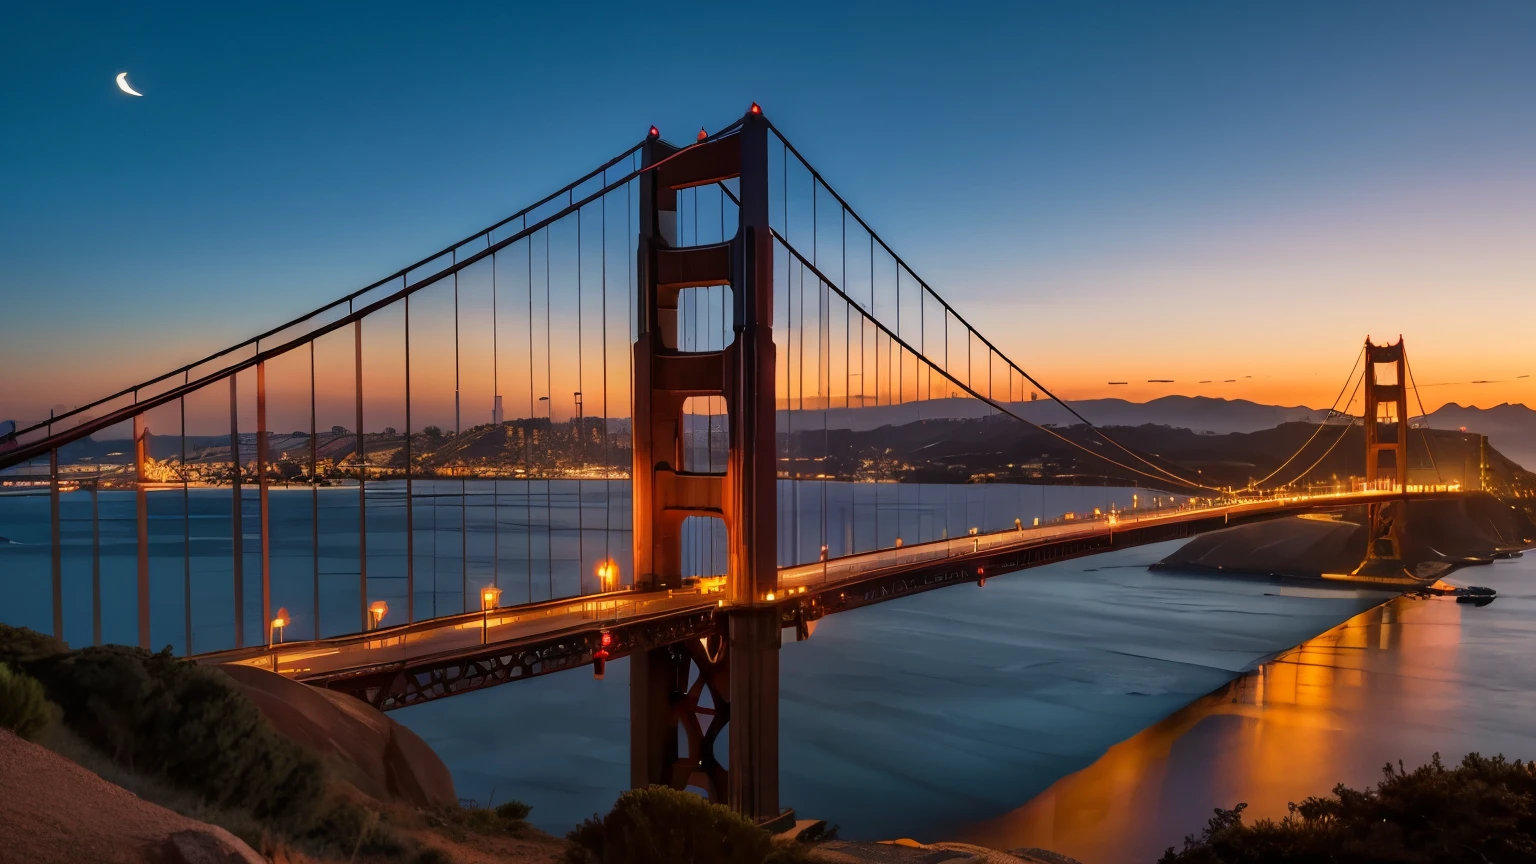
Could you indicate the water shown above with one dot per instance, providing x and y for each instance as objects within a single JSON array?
[
  {"x": 920, "y": 716},
  {"x": 534, "y": 539},
  {"x": 1401, "y": 682},
  {"x": 948, "y": 715}
]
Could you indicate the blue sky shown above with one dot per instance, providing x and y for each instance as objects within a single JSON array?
[{"x": 1120, "y": 188}]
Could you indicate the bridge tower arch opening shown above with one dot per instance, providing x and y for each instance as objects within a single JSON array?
[{"x": 739, "y": 671}]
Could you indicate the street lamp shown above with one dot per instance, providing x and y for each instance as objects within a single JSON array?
[
  {"x": 607, "y": 574},
  {"x": 278, "y": 623},
  {"x": 489, "y": 596},
  {"x": 376, "y": 612}
]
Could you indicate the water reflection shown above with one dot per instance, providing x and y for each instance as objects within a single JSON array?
[{"x": 1402, "y": 681}]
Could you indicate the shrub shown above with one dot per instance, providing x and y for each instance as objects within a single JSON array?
[
  {"x": 345, "y": 827},
  {"x": 458, "y": 822},
  {"x": 664, "y": 826},
  {"x": 23, "y": 647},
  {"x": 155, "y": 713},
  {"x": 23, "y": 707},
  {"x": 1482, "y": 810},
  {"x": 513, "y": 811}
]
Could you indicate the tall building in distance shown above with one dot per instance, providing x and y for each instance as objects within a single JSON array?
[{"x": 496, "y": 417}]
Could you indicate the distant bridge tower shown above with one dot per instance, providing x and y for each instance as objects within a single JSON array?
[
  {"x": 1384, "y": 530},
  {"x": 739, "y": 674}
]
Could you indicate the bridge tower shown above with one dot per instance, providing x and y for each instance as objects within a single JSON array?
[
  {"x": 739, "y": 672},
  {"x": 1384, "y": 533}
]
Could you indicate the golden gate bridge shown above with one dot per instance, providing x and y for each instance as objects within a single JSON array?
[{"x": 670, "y": 335}]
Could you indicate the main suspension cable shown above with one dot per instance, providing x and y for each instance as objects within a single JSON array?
[{"x": 1319, "y": 429}]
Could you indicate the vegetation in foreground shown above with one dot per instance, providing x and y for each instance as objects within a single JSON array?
[
  {"x": 1483, "y": 810},
  {"x": 183, "y": 736},
  {"x": 23, "y": 707},
  {"x": 661, "y": 825}
]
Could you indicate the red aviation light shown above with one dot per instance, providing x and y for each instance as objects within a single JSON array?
[
  {"x": 655, "y": 133},
  {"x": 600, "y": 656},
  {"x": 702, "y": 133},
  {"x": 756, "y": 108}
]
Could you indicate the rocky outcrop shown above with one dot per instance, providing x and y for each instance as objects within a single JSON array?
[
  {"x": 1438, "y": 536},
  {"x": 378, "y": 756},
  {"x": 56, "y": 812}
]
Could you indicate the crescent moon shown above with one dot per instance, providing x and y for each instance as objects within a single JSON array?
[{"x": 122, "y": 84}]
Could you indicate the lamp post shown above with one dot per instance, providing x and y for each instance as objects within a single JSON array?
[
  {"x": 275, "y": 633},
  {"x": 489, "y": 597},
  {"x": 376, "y": 612}
]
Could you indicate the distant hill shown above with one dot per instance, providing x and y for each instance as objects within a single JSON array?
[
  {"x": 1197, "y": 413},
  {"x": 1510, "y": 428}
]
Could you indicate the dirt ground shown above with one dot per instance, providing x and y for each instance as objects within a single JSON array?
[{"x": 52, "y": 810}]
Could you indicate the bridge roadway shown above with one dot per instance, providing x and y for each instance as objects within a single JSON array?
[{"x": 393, "y": 667}]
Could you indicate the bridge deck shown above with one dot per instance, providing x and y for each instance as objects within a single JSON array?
[{"x": 409, "y": 663}]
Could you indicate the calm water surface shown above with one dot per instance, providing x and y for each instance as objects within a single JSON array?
[
  {"x": 1399, "y": 682},
  {"x": 1090, "y": 706},
  {"x": 922, "y": 716}
]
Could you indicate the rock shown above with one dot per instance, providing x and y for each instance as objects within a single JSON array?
[
  {"x": 205, "y": 847},
  {"x": 378, "y": 756},
  {"x": 57, "y": 812},
  {"x": 1437, "y": 535}
]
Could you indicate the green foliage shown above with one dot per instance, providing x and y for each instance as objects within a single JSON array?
[
  {"x": 458, "y": 822},
  {"x": 22, "y": 647},
  {"x": 189, "y": 726},
  {"x": 513, "y": 811},
  {"x": 23, "y": 707},
  {"x": 664, "y": 826},
  {"x": 1482, "y": 810},
  {"x": 158, "y": 714},
  {"x": 343, "y": 826}
]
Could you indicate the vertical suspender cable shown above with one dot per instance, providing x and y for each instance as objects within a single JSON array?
[{"x": 314, "y": 495}]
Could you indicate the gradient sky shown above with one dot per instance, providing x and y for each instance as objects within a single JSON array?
[{"x": 1112, "y": 191}]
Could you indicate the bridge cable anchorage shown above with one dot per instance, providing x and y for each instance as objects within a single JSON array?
[
  {"x": 972, "y": 331},
  {"x": 1423, "y": 430},
  {"x": 1331, "y": 410},
  {"x": 805, "y": 263}
]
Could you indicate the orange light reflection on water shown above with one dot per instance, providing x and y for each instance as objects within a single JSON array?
[{"x": 1294, "y": 727}]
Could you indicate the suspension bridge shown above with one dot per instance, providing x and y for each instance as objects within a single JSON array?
[{"x": 610, "y": 425}]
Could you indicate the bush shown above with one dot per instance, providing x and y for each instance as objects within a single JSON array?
[
  {"x": 23, "y": 707},
  {"x": 513, "y": 811},
  {"x": 1482, "y": 810},
  {"x": 459, "y": 822},
  {"x": 23, "y": 647},
  {"x": 157, "y": 714},
  {"x": 664, "y": 826}
]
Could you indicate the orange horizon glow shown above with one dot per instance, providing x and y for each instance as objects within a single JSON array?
[{"x": 433, "y": 378}]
